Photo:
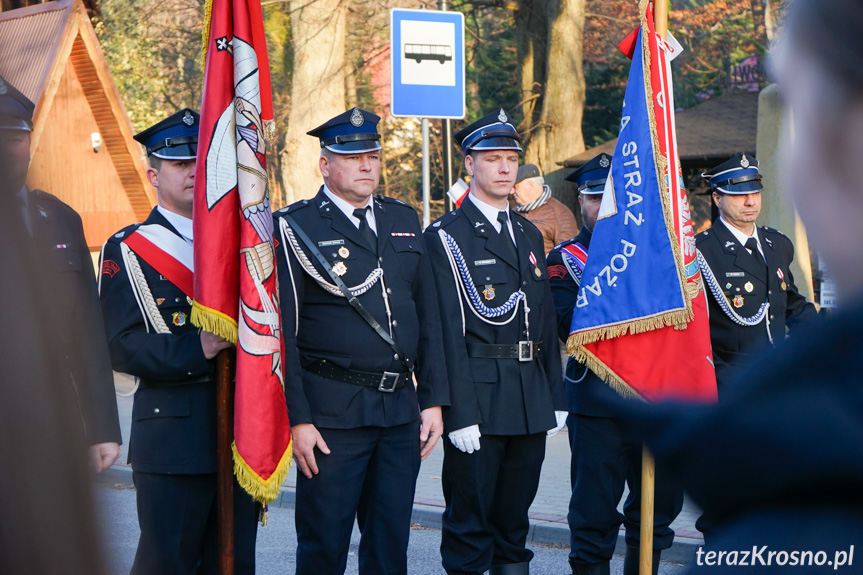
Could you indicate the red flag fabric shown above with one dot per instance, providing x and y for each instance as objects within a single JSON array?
[
  {"x": 236, "y": 291},
  {"x": 671, "y": 362}
]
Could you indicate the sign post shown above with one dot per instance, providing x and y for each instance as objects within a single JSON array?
[{"x": 428, "y": 74}]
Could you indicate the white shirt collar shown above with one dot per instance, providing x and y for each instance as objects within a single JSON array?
[
  {"x": 182, "y": 224},
  {"x": 490, "y": 212},
  {"x": 348, "y": 209},
  {"x": 740, "y": 236}
]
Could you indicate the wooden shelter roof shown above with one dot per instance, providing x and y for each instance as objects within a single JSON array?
[
  {"x": 38, "y": 42},
  {"x": 708, "y": 133}
]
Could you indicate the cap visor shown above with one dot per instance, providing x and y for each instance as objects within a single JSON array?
[
  {"x": 742, "y": 188},
  {"x": 359, "y": 147},
  {"x": 496, "y": 144},
  {"x": 181, "y": 152}
]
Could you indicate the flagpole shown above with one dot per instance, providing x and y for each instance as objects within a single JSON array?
[
  {"x": 225, "y": 462},
  {"x": 648, "y": 479}
]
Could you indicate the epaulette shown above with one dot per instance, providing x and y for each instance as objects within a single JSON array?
[
  {"x": 564, "y": 243},
  {"x": 443, "y": 221},
  {"x": 772, "y": 231},
  {"x": 293, "y": 207},
  {"x": 390, "y": 200},
  {"x": 123, "y": 233},
  {"x": 702, "y": 236}
]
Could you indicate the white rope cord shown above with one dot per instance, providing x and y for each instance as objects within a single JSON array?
[
  {"x": 725, "y": 306},
  {"x": 306, "y": 264},
  {"x": 468, "y": 290},
  {"x": 568, "y": 262},
  {"x": 142, "y": 291}
]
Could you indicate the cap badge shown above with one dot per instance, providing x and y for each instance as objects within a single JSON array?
[
  {"x": 2, "y": 87},
  {"x": 357, "y": 119},
  {"x": 744, "y": 163},
  {"x": 188, "y": 119},
  {"x": 603, "y": 161},
  {"x": 502, "y": 116}
]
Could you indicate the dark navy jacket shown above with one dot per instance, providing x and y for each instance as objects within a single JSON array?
[
  {"x": 586, "y": 394},
  {"x": 76, "y": 316},
  {"x": 321, "y": 326},
  {"x": 742, "y": 280},
  {"x": 503, "y": 396},
  {"x": 174, "y": 414}
]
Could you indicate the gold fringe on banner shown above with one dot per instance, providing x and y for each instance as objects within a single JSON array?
[
  {"x": 606, "y": 374},
  {"x": 677, "y": 319},
  {"x": 205, "y": 36},
  {"x": 214, "y": 321},
  {"x": 262, "y": 490}
]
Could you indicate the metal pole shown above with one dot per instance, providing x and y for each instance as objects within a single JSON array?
[
  {"x": 447, "y": 144},
  {"x": 426, "y": 179}
]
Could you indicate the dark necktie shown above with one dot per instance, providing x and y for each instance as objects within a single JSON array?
[
  {"x": 360, "y": 214},
  {"x": 752, "y": 245},
  {"x": 503, "y": 218}
]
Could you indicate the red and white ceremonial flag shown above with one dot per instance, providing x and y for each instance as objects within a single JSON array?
[
  {"x": 236, "y": 291},
  {"x": 641, "y": 319}
]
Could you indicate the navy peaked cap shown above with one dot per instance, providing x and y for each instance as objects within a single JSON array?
[
  {"x": 492, "y": 132},
  {"x": 737, "y": 176},
  {"x": 590, "y": 177},
  {"x": 16, "y": 110},
  {"x": 353, "y": 132},
  {"x": 174, "y": 138}
]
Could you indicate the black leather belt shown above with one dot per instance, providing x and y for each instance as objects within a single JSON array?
[
  {"x": 522, "y": 351},
  {"x": 207, "y": 377},
  {"x": 386, "y": 382}
]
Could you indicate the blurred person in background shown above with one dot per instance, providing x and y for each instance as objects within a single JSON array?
[{"x": 776, "y": 463}]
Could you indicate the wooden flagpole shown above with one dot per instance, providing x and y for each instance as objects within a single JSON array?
[
  {"x": 648, "y": 480},
  {"x": 225, "y": 462},
  {"x": 648, "y": 465}
]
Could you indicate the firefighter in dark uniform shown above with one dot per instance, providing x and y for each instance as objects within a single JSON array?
[
  {"x": 747, "y": 272},
  {"x": 604, "y": 456},
  {"x": 502, "y": 356},
  {"x": 360, "y": 424},
  {"x": 58, "y": 239},
  {"x": 145, "y": 286}
]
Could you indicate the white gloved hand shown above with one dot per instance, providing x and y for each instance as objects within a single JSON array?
[
  {"x": 560, "y": 416},
  {"x": 466, "y": 439}
]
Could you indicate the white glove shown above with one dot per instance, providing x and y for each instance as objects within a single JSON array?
[
  {"x": 466, "y": 439},
  {"x": 560, "y": 416}
]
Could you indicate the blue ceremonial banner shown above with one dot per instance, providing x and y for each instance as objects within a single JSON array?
[{"x": 633, "y": 281}]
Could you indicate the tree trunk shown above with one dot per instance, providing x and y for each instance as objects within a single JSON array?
[
  {"x": 559, "y": 135},
  {"x": 532, "y": 29},
  {"x": 317, "y": 90},
  {"x": 759, "y": 18}
]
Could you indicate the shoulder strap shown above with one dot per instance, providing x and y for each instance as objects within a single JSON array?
[{"x": 352, "y": 300}]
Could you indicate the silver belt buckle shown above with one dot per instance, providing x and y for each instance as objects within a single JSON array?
[
  {"x": 525, "y": 351},
  {"x": 388, "y": 383}
]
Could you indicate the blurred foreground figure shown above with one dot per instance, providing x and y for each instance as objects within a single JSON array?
[
  {"x": 48, "y": 525},
  {"x": 776, "y": 463},
  {"x": 55, "y": 233}
]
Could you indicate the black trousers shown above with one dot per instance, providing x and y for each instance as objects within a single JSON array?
[
  {"x": 178, "y": 517},
  {"x": 370, "y": 474},
  {"x": 602, "y": 459},
  {"x": 488, "y": 493}
]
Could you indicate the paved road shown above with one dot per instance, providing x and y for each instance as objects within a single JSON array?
[{"x": 277, "y": 542}]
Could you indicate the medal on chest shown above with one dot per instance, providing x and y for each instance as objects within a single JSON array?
[
  {"x": 488, "y": 292},
  {"x": 782, "y": 285}
]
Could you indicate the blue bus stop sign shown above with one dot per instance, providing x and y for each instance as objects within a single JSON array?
[{"x": 427, "y": 50}]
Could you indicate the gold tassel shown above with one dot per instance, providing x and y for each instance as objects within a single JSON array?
[
  {"x": 205, "y": 36},
  {"x": 214, "y": 321},
  {"x": 262, "y": 490}
]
